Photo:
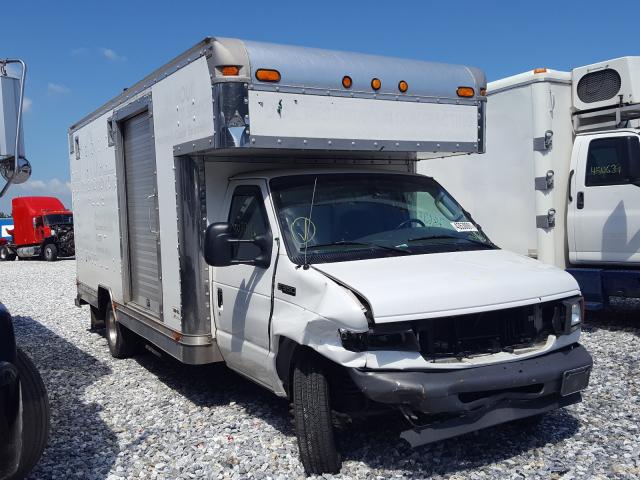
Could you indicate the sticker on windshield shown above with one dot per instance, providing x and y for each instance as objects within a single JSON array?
[{"x": 464, "y": 227}]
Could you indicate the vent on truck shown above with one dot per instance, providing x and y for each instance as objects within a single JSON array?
[{"x": 599, "y": 86}]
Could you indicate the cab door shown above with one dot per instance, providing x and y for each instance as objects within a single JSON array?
[
  {"x": 241, "y": 295},
  {"x": 604, "y": 212}
]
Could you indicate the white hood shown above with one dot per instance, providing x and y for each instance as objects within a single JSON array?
[{"x": 423, "y": 286}]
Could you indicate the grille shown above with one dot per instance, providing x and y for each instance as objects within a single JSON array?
[
  {"x": 599, "y": 86},
  {"x": 489, "y": 332}
]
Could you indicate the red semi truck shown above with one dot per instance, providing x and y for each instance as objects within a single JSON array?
[{"x": 42, "y": 227}]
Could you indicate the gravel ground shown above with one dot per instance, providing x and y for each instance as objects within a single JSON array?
[{"x": 152, "y": 417}]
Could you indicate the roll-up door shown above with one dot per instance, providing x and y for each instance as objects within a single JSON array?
[{"x": 142, "y": 212}]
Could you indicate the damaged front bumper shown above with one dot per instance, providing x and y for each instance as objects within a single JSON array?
[{"x": 444, "y": 404}]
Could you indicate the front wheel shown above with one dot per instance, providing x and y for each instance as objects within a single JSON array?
[
  {"x": 50, "y": 252},
  {"x": 6, "y": 255},
  {"x": 313, "y": 419}
]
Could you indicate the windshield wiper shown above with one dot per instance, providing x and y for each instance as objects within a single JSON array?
[
  {"x": 488, "y": 243},
  {"x": 363, "y": 244}
]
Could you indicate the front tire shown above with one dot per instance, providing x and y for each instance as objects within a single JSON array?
[
  {"x": 50, "y": 252},
  {"x": 123, "y": 343},
  {"x": 35, "y": 414},
  {"x": 313, "y": 419},
  {"x": 6, "y": 255}
]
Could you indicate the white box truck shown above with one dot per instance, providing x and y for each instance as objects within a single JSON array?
[
  {"x": 560, "y": 179},
  {"x": 257, "y": 205}
]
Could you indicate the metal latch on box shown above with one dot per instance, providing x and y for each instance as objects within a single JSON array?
[
  {"x": 545, "y": 183},
  {"x": 548, "y": 220},
  {"x": 541, "y": 144}
]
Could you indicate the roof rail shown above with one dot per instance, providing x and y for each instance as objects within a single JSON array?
[{"x": 605, "y": 119}]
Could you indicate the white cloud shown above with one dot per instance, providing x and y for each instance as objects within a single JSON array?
[
  {"x": 27, "y": 104},
  {"x": 110, "y": 54},
  {"x": 78, "y": 51},
  {"x": 57, "y": 89},
  {"x": 54, "y": 186}
]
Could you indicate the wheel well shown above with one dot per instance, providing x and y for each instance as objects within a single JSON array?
[
  {"x": 346, "y": 397},
  {"x": 104, "y": 300}
]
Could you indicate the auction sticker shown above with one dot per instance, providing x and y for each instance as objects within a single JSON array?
[{"x": 464, "y": 227}]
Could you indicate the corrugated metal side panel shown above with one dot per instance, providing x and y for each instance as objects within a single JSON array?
[{"x": 142, "y": 212}]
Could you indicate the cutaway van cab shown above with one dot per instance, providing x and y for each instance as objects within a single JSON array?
[{"x": 257, "y": 205}]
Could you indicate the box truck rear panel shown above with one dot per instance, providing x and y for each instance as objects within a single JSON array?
[{"x": 500, "y": 186}]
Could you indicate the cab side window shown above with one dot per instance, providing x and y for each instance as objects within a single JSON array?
[
  {"x": 248, "y": 219},
  {"x": 608, "y": 161}
]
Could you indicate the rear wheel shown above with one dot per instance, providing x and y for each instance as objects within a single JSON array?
[
  {"x": 35, "y": 414},
  {"x": 313, "y": 418},
  {"x": 123, "y": 343},
  {"x": 50, "y": 252}
]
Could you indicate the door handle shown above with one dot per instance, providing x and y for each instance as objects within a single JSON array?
[
  {"x": 219, "y": 298},
  {"x": 580, "y": 200}
]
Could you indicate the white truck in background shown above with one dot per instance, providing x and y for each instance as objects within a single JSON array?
[
  {"x": 330, "y": 273},
  {"x": 560, "y": 179}
]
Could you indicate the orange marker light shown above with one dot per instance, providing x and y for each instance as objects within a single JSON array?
[
  {"x": 539, "y": 70},
  {"x": 376, "y": 84},
  {"x": 267, "y": 75},
  {"x": 346, "y": 81},
  {"x": 465, "y": 92},
  {"x": 403, "y": 86},
  {"x": 230, "y": 70}
]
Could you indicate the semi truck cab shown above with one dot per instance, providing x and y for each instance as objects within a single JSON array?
[{"x": 43, "y": 227}]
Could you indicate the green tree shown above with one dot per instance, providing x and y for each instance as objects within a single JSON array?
[{"x": 4, "y": 215}]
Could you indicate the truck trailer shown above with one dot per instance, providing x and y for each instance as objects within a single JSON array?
[
  {"x": 42, "y": 228},
  {"x": 257, "y": 205},
  {"x": 560, "y": 180}
]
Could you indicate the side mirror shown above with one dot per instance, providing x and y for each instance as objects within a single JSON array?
[{"x": 219, "y": 252}]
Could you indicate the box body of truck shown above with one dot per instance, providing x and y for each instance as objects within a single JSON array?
[
  {"x": 228, "y": 208},
  {"x": 536, "y": 190}
]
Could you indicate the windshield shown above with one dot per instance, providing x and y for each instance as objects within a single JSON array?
[
  {"x": 368, "y": 215},
  {"x": 59, "y": 219}
]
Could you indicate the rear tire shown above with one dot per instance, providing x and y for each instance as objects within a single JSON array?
[
  {"x": 313, "y": 419},
  {"x": 123, "y": 343},
  {"x": 35, "y": 414},
  {"x": 50, "y": 252}
]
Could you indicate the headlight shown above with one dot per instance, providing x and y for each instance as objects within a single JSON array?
[
  {"x": 400, "y": 339},
  {"x": 53, "y": 232},
  {"x": 574, "y": 313}
]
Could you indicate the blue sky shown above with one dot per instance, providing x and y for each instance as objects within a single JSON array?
[{"x": 80, "y": 54}]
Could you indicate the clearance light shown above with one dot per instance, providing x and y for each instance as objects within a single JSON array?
[
  {"x": 230, "y": 70},
  {"x": 267, "y": 75},
  {"x": 376, "y": 84},
  {"x": 346, "y": 81},
  {"x": 539, "y": 70},
  {"x": 465, "y": 92},
  {"x": 403, "y": 86}
]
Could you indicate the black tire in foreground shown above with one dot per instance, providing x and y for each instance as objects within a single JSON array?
[
  {"x": 123, "y": 343},
  {"x": 35, "y": 414},
  {"x": 313, "y": 418},
  {"x": 50, "y": 252}
]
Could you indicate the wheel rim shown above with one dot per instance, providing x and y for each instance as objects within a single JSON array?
[{"x": 112, "y": 331}]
